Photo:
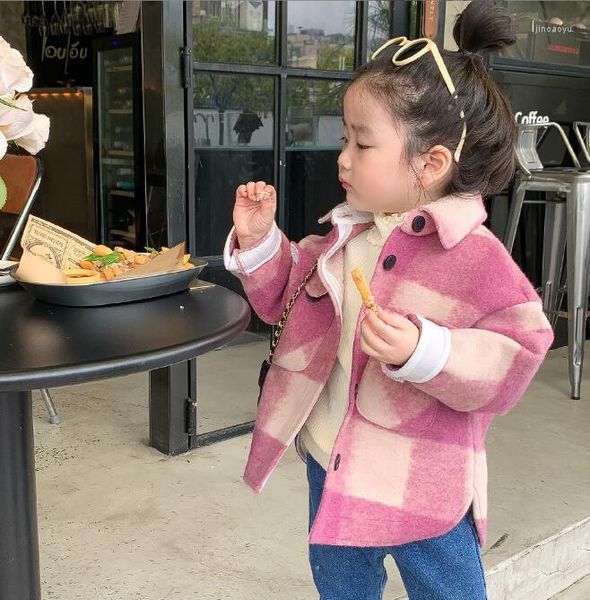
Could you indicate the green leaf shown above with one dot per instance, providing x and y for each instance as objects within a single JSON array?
[
  {"x": 109, "y": 259},
  {"x": 3, "y": 193},
  {"x": 7, "y": 103}
]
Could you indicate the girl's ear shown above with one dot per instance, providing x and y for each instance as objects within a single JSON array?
[{"x": 435, "y": 166}]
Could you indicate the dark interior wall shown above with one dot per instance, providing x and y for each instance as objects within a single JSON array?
[{"x": 11, "y": 25}]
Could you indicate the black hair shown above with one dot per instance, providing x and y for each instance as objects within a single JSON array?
[{"x": 487, "y": 161}]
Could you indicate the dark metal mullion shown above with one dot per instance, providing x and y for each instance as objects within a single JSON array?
[
  {"x": 280, "y": 150},
  {"x": 191, "y": 208},
  {"x": 163, "y": 36},
  {"x": 236, "y": 69},
  {"x": 189, "y": 98},
  {"x": 399, "y": 23},
  {"x": 361, "y": 33},
  {"x": 503, "y": 64}
]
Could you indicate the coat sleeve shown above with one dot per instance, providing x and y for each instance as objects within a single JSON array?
[
  {"x": 486, "y": 367},
  {"x": 271, "y": 270}
]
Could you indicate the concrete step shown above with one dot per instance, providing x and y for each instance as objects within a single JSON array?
[
  {"x": 545, "y": 568},
  {"x": 557, "y": 568},
  {"x": 579, "y": 591}
]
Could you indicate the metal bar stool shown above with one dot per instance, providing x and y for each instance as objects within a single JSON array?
[
  {"x": 22, "y": 175},
  {"x": 583, "y": 139},
  {"x": 567, "y": 220}
]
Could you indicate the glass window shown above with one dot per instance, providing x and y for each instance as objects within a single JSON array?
[
  {"x": 234, "y": 31},
  {"x": 314, "y": 129},
  {"x": 233, "y": 125},
  {"x": 233, "y": 128},
  {"x": 550, "y": 32},
  {"x": 320, "y": 35},
  {"x": 378, "y": 26}
]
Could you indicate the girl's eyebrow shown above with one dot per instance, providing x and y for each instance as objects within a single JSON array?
[{"x": 360, "y": 128}]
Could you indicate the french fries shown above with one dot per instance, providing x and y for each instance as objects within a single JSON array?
[
  {"x": 363, "y": 288},
  {"x": 105, "y": 264},
  {"x": 81, "y": 276}
]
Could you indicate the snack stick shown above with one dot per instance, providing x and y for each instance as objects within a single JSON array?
[
  {"x": 262, "y": 196},
  {"x": 363, "y": 288}
]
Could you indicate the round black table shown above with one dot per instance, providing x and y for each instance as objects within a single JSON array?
[{"x": 43, "y": 345}]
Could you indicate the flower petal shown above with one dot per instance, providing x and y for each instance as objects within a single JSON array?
[{"x": 37, "y": 138}]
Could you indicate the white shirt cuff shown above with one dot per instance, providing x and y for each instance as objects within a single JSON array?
[
  {"x": 247, "y": 261},
  {"x": 429, "y": 358}
]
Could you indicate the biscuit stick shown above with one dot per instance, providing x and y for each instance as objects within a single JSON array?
[
  {"x": 363, "y": 288},
  {"x": 262, "y": 196}
]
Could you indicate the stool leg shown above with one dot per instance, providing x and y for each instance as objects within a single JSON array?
[
  {"x": 54, "y": 418},
  {"x": 553, "y": 252},
  {"x": 578, "y": 247},
  {"x": 518, "y": 192}
]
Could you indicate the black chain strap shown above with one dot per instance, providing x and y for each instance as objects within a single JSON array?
[{"x": 281, "y": 324}]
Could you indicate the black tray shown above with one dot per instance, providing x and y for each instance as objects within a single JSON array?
[{"x": 116, "y": 292}]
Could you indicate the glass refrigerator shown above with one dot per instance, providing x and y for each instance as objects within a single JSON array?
[{"x": 118, "y": 141}]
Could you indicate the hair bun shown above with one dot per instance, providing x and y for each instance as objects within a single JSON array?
[{"x": 483, "y": 25}]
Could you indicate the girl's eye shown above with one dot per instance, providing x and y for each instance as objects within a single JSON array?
[{"x": 359, "y": 146}]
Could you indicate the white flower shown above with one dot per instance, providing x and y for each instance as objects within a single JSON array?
[
  {"x": 16, "y": 122},
  {"x": 3, "y": 145},
  {"x": 37, "y": 138},
  {"x": 14, "y": 73}
]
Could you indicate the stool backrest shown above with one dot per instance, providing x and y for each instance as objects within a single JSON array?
[
  {"x": 527, "y": 156},
  {"x": 22, "y": 176},
  {"x": 583, "y": 138},
  {"x": 526, "y": 148}
]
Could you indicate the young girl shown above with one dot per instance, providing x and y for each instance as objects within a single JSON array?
[{"x": 391, "y": 409}]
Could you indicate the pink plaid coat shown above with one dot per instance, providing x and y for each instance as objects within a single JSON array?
[{"x": 410, "y": 456}]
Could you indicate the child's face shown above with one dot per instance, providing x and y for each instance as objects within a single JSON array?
[{"x": 372, "y": 165}]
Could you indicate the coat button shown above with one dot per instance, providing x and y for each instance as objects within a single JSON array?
[
  {"x": 312, "y": 298},
  {"x": 337, "y": 462},
  {"x": 389, "y": 262},
  {"x": 418, "y": 223}
]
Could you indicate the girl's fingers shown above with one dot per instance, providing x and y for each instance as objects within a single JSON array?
[
  {"x": 391, "y": 318},
  {"x": 375, "y": 342},
  {"x": 270, "y": 192},
  {"x": 251, "y": 187},
  {"x": 242, "y": 190},
  {"x": 259, "y": 187},
  {"x": 381, "y": 328}
]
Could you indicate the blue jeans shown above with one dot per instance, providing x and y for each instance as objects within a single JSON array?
[{"x": 447, "y": 567}]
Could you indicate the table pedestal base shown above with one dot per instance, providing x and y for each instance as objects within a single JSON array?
[{"x": 19, "y": 546}]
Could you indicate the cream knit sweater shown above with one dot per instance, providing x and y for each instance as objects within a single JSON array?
[{"x": 321, "y": 428}]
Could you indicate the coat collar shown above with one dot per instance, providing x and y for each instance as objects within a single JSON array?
[{"x": 452, "y": 217}]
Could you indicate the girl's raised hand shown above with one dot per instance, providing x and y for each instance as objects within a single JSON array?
[
  {"x": 389, "y": 337},
  {"x": 254, "y": 212}
]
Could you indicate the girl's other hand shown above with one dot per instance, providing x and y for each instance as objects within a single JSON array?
[
  {"x": 254, "y": 212},
  {"x": 389, "y": 337}
]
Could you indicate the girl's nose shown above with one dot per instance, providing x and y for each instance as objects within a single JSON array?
[{"x": 343, "y": 161}]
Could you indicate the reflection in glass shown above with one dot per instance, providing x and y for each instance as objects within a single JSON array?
[
  {"x": 321, "y": 34},
  {"x": 314, "y": 129},
  {"x": 233, "y": 31},
  {"x": 550, "y": 32},
  {"x": 233, "y": 124},
  {"x": 122, "y": 221},
  {"x": 378, "y": 26}
]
